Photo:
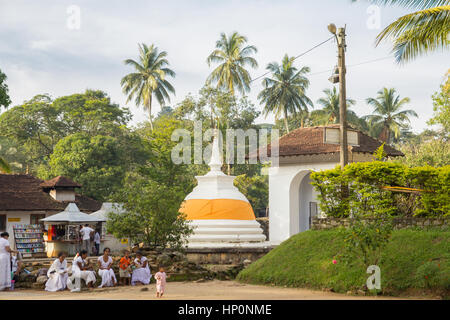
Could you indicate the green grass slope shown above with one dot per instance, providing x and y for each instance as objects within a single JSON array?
[{"x": 413, "y": 261}]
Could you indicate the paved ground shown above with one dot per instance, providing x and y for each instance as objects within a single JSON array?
[{"x": 221, "y": 290}]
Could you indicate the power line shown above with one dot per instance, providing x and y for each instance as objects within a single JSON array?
[
  {"x": 296, "y": 57},
  {"x": 353, "y": 65}
]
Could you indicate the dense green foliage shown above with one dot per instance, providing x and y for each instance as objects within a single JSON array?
[
  {"x": 256, "y": 189},
  {"x": 153, "y": 193},
  {"x": 367, "y": 197},
  {"x": 441, "y": 107},
  {"x": 82, "y": 136},
  {"x": 5, "y": 101},
  {"x": 98, "y": 162},
  {"x": 305, "y": 260}
]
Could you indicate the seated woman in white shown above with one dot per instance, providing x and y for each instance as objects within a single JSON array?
[
  {"x": 81, "y": 269},
  {"x": 57, "y": 274},
  {"x": 105, "y": 270},
  {"x": 141, "y": 275}
]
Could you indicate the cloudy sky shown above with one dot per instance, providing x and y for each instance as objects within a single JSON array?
[{"x": 43, "y": 51}]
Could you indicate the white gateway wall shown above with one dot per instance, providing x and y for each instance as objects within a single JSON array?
[{"x": 287, "y": 202}]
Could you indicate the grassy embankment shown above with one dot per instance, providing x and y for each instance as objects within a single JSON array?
[{"x": 414, "y": 262}]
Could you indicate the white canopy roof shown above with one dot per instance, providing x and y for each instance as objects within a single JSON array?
[
  {"x": 71, "y": 215},
  {"x": 106, "y": 208}
]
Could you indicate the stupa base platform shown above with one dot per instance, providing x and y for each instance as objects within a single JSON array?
[
  {"x": 226, "y": 233},
  {"x": 227, "y": 245}
]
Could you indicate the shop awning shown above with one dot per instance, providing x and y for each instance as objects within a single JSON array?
[{"x": 71, "y": 215}]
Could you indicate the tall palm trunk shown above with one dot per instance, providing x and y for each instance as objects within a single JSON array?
[
  {"x": 285, "y": 120},
  {"x": 150, "y": 109}
]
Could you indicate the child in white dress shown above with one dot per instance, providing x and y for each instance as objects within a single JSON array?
[
  {"x": 141, "y": 275},
  {"x": 160, "y": 282}
]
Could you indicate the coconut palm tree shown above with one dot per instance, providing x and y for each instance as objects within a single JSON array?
[
  {"x": 330, "y": 110},
  {"x": 420, "y": 32},
  {"x": 387, "y": 116},
  {"x": 149, "y": 78},
  {"x": 234, "y": 56},
  {"x": 284, "y": 90},
  {"x": 4, "y": 166}
]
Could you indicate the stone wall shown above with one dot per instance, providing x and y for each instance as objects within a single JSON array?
[
  {"x": 264, "y": 222},
  {"x": 400, "y": 223},
  {"x": 225, "y": 256}
]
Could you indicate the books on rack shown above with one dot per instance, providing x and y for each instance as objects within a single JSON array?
[{"x": 29, "y": 238}]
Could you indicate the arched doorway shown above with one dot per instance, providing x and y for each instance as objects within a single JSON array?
[{"x": 303, "y": 203}]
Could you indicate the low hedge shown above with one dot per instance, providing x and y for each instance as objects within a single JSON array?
[{"x": 363, "y": 193}]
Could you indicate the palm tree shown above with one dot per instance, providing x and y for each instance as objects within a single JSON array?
[
  {"x": 4, "y": 166},
  {"x": 284, "y": 91},
  {"x": 387, "y": 116},
  {"x": 330, "y": 111},
  {"x": 420, "y": 32},
  {"x": 234, "y": 56},
  {"x": 148, "y": 79}
]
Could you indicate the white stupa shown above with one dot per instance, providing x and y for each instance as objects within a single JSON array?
[{"x": 220, "y": 214}]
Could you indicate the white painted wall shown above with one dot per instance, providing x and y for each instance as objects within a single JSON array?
[
  {"x": 62, "y": 195},
  {"x": 285, "y": 196}
]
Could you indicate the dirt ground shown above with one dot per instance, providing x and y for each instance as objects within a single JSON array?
[{"x": 220, "y": 290}]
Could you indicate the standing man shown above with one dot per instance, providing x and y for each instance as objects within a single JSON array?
[
  {"x": 86, "y": 232},
  {"x": 5, "y": 261},
  {"x": 97, "y": 242}
]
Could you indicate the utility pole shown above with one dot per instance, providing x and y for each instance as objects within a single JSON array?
[
  {"x": 343, "y": 150},
  {"x": 340, "y": 38}
]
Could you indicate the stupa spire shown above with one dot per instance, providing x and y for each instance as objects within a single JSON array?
[{"x": 215, "y": 163}]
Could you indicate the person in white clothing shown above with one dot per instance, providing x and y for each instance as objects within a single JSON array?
[
  {"x": 86, "y": 232},
  {"x": 5, "y": 261},
  {"x": 57, "y": 274},
  {"x": 141, "y": 275},
  {"x": 81, "y": 269},
  {"x": 105, "y": 270},
  {"x": 97, "y": 242}
]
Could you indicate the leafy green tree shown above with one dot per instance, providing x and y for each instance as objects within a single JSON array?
[
  {"x": 435, "y": 153},
  {"x": 36, "y": 126},
  {"x": 4, "y": 166},
  {"x": 153, "y": 193},
  {"x": 387, "y": 115},
  {"x": 149, "y": 78},
  {"x": 13, "y": 154},
  {"x": 330, "y": 113},
  {"x": 256, "y": 189},
  {"x": 5, "y": 101},
  {"x": 441, "y": 106},
  {"x": 420, "y": 32},
  {"x": 284, "y": 91},
  {"x": 99, "y": 163},
  {"x": 233, "y": 56}
]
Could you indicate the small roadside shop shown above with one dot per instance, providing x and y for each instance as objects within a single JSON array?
[{"x": 63, "y": 230}]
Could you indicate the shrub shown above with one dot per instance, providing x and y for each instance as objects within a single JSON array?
[{"x": 365, "y": 195}]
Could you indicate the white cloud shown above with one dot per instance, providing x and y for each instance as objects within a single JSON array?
[{"x": 40, "y": 54}]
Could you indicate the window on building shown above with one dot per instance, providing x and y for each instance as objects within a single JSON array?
[
  {"x": 34, "y": 218},
  {"x": 2, "y": 222}
]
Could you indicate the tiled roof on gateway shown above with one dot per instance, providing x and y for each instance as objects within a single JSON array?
[
  {"x": 60, "y": 181},
  {"x": 307, "y": 141},
  {"x": 23, "y": 192}
]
